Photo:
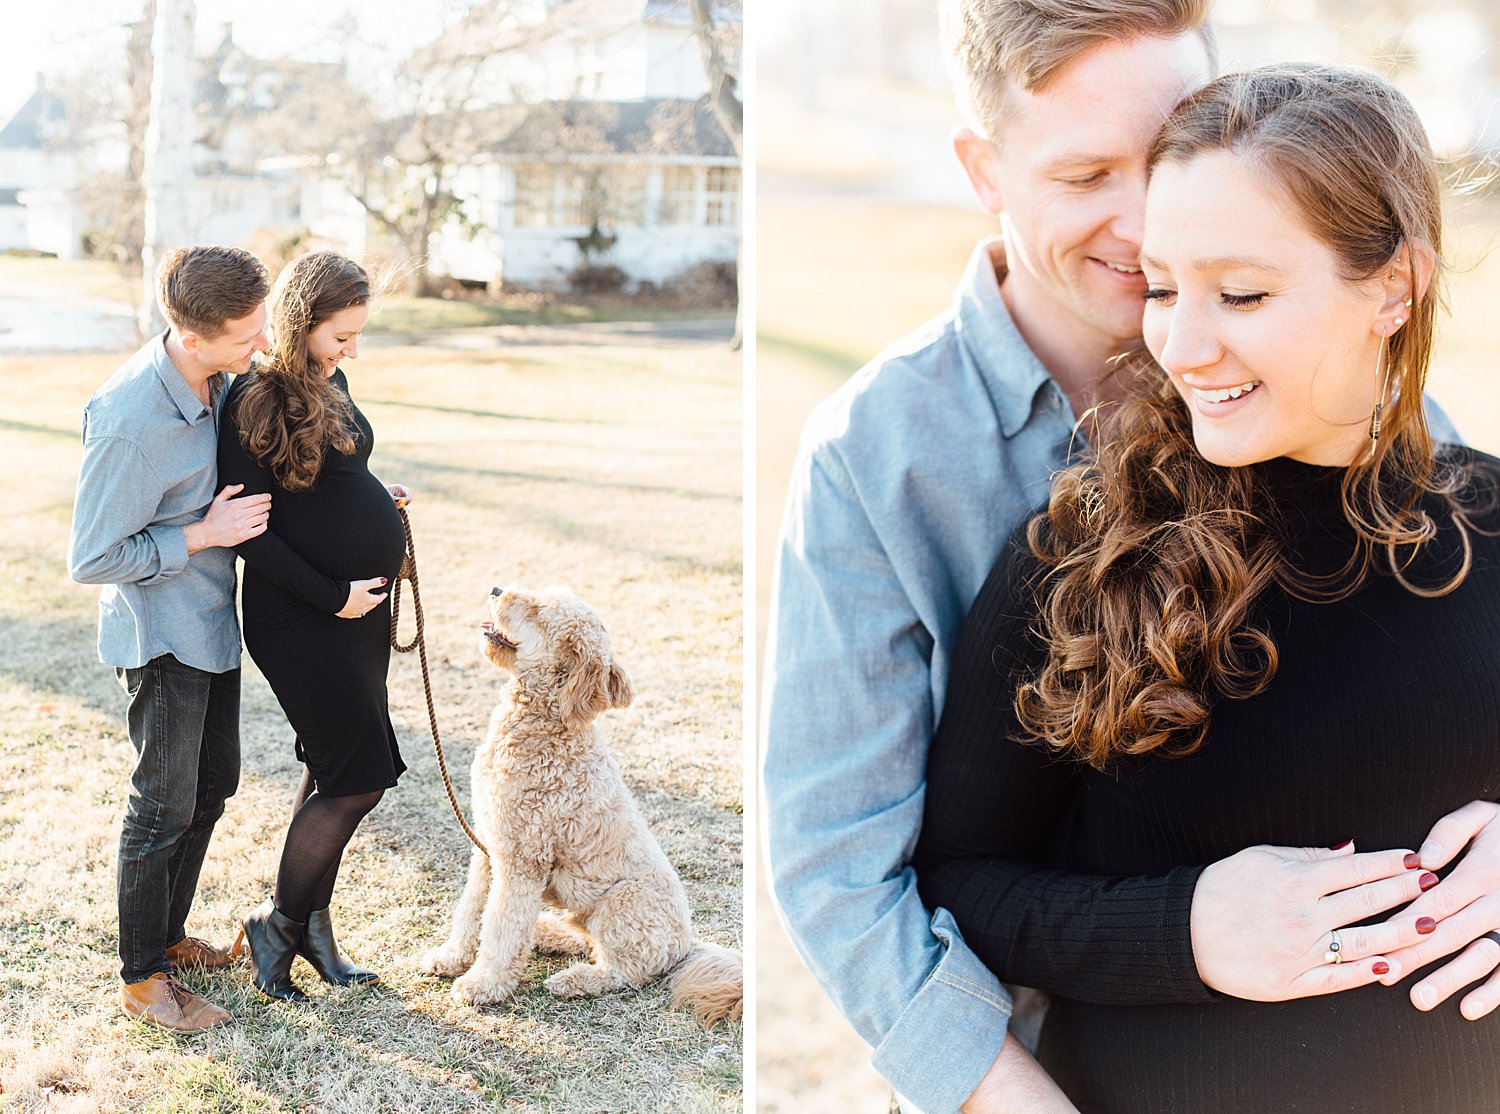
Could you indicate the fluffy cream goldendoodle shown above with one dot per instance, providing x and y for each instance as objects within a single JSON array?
[{"x": 564, "y": 834}]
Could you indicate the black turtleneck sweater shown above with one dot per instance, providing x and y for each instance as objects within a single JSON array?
[{"x": 1383, "y": 716}]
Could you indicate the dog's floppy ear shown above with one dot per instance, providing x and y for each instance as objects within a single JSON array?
[
  {"x": 583, "y": 694},
  {"x": 621, "y": 692}
]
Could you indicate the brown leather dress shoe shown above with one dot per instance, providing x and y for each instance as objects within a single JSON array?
[
  {"x": 193, "y": 954},
  {"x": 165, "y": 1001}
]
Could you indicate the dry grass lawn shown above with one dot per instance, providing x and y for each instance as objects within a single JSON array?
[{"x": 613, "y": 469}]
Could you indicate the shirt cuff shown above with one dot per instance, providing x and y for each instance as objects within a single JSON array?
[
  {"x": 950, "y": 1033},
  {"x": 171, "y": 551}
]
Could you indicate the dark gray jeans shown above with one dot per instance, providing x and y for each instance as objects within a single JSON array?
[{"x": 185, "y": 727}]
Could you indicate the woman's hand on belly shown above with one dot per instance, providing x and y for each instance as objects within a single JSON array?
[
  {"x": 362, "y": 598},
  {"x": 401, "y": 495},
  {"x": 1466, "y": 906},
  {"x": 1262, "y": 920}
]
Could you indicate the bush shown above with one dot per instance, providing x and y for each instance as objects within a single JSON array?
[
  {"x": 707, "y": 285},
  {"x": 596, "y": 279}
]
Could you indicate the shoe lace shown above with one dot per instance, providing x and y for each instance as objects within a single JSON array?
[{"x": 181, "y": 995}]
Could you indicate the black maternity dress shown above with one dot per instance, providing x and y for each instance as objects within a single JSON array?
[
  {"x": 1383, "y": 716},
  {"x": 328, "y": 673}
]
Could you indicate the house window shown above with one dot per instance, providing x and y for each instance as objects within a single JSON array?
[
  {"x": 577, "y": 198},
  {"x": 679, "y": 195},
  {"x": 622, "y": 203},
  {"x": 721, "y": 188},
  {"x": 534, "y": 197}
]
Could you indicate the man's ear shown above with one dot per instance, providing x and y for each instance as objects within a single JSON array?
[
  {"x": 980, "y": 161},
  {"x": 189, "y": 341}
]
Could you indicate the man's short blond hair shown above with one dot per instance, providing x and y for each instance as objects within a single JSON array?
[{"x": 992, "y": 45}]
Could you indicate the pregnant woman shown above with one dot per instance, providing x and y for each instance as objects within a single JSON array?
[
  {"x": 1254, "y": 644},
  {"x": 316, "y": 612}
]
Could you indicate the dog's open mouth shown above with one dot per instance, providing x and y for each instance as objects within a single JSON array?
[{"x": 493, "y": 634}]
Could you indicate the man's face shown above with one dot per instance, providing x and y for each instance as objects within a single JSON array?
[
  {"x": 1071, "y": 174},
  {"x": 233, "y": 349}
]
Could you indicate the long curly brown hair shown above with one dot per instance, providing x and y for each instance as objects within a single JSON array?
[
  {"x": 1154, "y": 556},
  {"x": 290, "y": 412}
]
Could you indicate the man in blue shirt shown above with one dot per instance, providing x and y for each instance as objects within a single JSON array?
[
  {"x": 149, "y": 528},
  {"x": 910, "y": 479}
]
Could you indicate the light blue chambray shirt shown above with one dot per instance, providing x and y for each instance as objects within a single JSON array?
[
  {"x": 150, "y": 466},
  {"x": 909, "y": 480}
]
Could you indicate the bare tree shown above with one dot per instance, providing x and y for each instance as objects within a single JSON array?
[
  {"x": 400, "y": 167},
  {"x": 107, "y": 96},
  {"x": 168, "y": 163},
  {"x": 715, "y": 43},
  {"x": 723, "y": 96}
]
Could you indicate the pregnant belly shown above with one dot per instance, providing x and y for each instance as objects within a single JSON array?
[{"x": 348, "y": 529}]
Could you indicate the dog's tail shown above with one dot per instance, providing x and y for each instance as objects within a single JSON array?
[{"x": 710, "y": 981}]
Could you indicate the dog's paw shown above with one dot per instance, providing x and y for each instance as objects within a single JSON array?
[
  {"x": 444, "y": 961},
  {"x": 478, "y": 990},
  {"x": 583, "y": 980},
  {"x": 554, "y": 937}
]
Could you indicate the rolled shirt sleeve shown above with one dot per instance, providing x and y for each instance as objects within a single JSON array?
[
  {"x": 848, "y": 718},
  {"x": 113, "y": 540}
]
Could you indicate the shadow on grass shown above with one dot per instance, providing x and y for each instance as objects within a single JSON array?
[
  {"x": 551, "y": 518},
  {"x": 424, "y": 468},
  {"x": 367, "y": 1033},
  {"x": 9, "y": 426},
  {"x": 831, "y": 358},
  {"x": 60, "y": 658},
  {"x": 433, "y": 408}
]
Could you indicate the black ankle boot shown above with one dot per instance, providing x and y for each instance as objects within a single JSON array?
[
  {"x": 273, "y": 941},
  {"x": 320, "y": 949}
]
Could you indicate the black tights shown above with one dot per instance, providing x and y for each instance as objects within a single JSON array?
[{"x": 320, "y": 829}]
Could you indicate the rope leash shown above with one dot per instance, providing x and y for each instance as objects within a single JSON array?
[{"x": 419, "y": 643}]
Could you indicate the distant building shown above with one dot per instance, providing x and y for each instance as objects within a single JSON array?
[
  {"x": 35, "y": 170},
  {"x": 587, "y": 140},
  {"x": 592, "y": 144},
  {"x": 653, "y": 188}
]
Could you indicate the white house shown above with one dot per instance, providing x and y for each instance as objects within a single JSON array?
[
  {"x": 35, "y": 170},
  {"x": 589, "y": 142},
  {"x": 653, "y": 190}
]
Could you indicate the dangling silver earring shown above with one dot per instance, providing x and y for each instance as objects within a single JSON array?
[{"x": 1385, "y": 384}]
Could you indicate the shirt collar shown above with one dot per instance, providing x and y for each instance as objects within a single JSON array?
[
  {"x": 189, "y": 405},
  {"x": 1009, "y": 368}
]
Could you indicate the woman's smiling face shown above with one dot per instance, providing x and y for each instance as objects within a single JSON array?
[
  {"x": 337, "y": 339},
  {"x": 1273, "y": 350}
]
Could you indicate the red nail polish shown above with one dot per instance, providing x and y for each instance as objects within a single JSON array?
[
  {"x": 1427, "y": 881},
  {"x": 1341, "y": 846},
  {"x": 1381, "y": 967},
  {"x": 1425, "y": 925},
  {"x": 1412, "y": 861}
]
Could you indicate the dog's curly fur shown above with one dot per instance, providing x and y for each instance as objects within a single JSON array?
[{"x": 564, "y": 833}]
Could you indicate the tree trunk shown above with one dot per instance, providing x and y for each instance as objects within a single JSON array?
[
  {"x": 731, "y": 116},
  {"x": 419, "y": 278},
  {"x": 721, "y": 96},
  {"x": 167, "y": 175}
]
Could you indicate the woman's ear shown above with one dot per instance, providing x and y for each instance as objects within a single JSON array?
[{"x": 1405, "y": 283}]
